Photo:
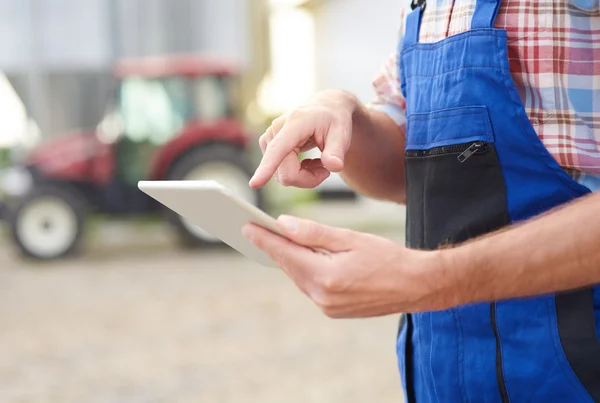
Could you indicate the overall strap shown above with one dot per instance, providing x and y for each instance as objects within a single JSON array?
[
  {"x": 413, "y": 26},
  {"x": 485, "y": 13}
]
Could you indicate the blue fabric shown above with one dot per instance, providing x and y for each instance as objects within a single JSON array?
[
  {"x": 485, "y": 14},
  {"x": 592, "y": 182},
  {"x": 413, "y": 27},
  {"x": 446, "y": 127},
  {"x": 464, "y": 82}
]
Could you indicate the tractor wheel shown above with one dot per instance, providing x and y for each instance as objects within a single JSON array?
[
  {"x": 223, "y": 163},
  {"x": 48, "y": 223}
]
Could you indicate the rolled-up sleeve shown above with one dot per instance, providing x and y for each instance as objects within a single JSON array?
[{"x": 389, "y": 99}]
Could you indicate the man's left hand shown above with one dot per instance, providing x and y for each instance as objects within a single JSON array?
[{"x": 350, "y": 274}]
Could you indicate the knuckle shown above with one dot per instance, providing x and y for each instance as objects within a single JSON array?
[
  {"x": 285, "y": 179},
  {"x": 262, "y": 141},
  {"x": 329, "y": 307},
  {"x": 323, "y": 301},
  {"x": 315, "y": 232},
  {"x": 298, "y": 113},
  {"x": 331, "y": 284},
  {"x": 277, "y": 124},
  {"x": 343, "y": 116}
]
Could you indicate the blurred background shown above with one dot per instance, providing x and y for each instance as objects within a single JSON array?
[{"x": 106, "y": 297}]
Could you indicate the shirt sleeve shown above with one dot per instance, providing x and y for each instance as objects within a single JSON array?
[{"x": 389, "y": 99}]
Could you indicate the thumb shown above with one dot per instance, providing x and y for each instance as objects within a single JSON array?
[
  {"x": 336, "y": 145},
  {"x": 316, "y": 236}
]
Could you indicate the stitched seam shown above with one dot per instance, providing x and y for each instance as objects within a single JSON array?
[
  {"x": 461, "y": 358},
  {"x": 425, "y": 116},
  {"x": 444, "y": 42},
  {"x": 431, "y": 358},
  {"x": 428, "y": 117},
  {"x": 557, "y": 353},
  {"x": 421, "y": 370},
  {"x": 433, "y": 156},
  {"x": 539, "y": 146},
  {"x": 501, "y": 354},
  {"x": 487, "y": 137},
  {"x": 457, "y": 69}
]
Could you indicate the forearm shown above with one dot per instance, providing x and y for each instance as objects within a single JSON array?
[
  {"x": 374, "y": 163},
  {"x": 558, "y": 251}
]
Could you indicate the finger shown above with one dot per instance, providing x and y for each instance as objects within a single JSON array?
[
  {"x": 289, "y": 170},
  {"x": 284, "y": 143},
  {"x": 306, "y": 174},
  {"x": 262, "y": 141},
  {"x": 336, "y": 146},
  {"x": 295, "y": 260},
  {"x": 311, "y": 164},
  {"x": 309, "y": 145},
  {"x": 317, "y": 236},
  {"x": 268, "y": 136},
  {"x": 292, "y": 172},
  {"x": 316, "y": 169},
  {"x": 278, "y": 123}
]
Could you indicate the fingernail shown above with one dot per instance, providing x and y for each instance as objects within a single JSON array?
[{"x": 290, "y": 224}]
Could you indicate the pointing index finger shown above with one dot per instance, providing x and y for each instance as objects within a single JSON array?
[{"x": 280, "y": 147}]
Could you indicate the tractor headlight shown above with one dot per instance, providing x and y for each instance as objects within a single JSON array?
[{"x": 15, "y": 182}]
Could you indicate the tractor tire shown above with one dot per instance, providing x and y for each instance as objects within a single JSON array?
[
  {"x": 48, "y": 223},
  {"x": 224, "y": 163}
]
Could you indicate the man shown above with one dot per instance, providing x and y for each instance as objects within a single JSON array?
[{"x": 487, "y": 128}]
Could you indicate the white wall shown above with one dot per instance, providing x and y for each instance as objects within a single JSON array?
[
  {"x": 222, "y": 26},
  {"x": 80, "y": 34},
  {"x": 53, "y": 34},
  {"x": 354, "y": 37}
]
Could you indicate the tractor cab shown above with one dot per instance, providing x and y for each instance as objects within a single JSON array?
[
  {"x": 170, "y": 118},
  {"x": 161, "y": 100}
]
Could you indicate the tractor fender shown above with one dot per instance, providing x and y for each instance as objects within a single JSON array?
[{"x": 196, "y": 134}]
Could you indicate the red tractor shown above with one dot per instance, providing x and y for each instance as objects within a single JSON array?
[{"x": 172, "y": 118}]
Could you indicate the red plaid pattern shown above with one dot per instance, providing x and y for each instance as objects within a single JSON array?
[{"x": 554, "y": 53}]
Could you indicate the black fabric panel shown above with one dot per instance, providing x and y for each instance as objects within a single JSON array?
[
  {"x": 576, "y": 327},
  {"x": 449, "y": 202}
]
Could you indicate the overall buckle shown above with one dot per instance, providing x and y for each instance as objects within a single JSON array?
[{"x": 418, "y": 3}]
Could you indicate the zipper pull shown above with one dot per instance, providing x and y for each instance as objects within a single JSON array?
[{"x": 475, "y": 147}]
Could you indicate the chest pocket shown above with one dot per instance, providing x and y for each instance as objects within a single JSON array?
[{"x": 455, "y": 186}]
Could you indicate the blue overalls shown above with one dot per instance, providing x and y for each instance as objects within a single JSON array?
[{"x": 474, "y": 164}]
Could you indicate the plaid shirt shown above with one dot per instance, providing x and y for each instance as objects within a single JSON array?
[{"x": 554, "y": 52}]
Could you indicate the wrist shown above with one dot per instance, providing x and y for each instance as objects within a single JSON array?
[
  {"x": 441, "y": 278},
  {"x": 337, "y": 99}
]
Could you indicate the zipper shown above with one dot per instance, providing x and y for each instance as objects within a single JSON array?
[
  {"x": 499, "y": 364},
  {"x": 465, "y": 151}
]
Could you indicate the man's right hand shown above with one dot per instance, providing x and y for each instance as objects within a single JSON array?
[{"x": 325, "y": 122}]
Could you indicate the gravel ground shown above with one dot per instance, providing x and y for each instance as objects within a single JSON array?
[{"x": 160, "y": 325}]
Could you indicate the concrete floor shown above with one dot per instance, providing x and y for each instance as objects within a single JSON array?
[{"x": 155, "y": 324}]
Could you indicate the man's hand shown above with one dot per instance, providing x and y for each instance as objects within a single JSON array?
[
  {"x": 324, "y": 122},
  {"x": 350, "y": 274}
]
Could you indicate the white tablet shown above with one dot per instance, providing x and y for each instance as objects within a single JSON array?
[{"x": 215, "y": 209}]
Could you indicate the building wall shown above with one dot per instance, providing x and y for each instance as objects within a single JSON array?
[
  {"x": 58, "y": 53},
  {"x": 354, "y": 37}
]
